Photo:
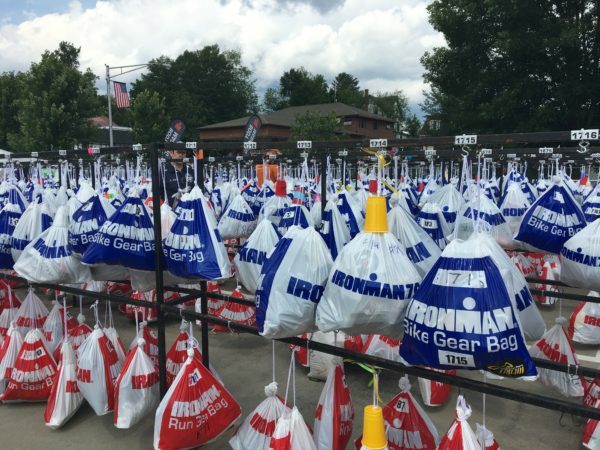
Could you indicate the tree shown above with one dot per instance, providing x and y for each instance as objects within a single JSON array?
[
  {"x": 10, "y": 88},
  {"x": 313, "y": 126},
  {"x": 515, "y": 66},
  {"x": 299, "y": 87},
  {"x": 55, "y": 100},
  {"x": 201, "y": 87},
  {"x": 272, "y": 101},
  {"x": 391, "y": 104},
  {"x": 120, "y": 116},
  {"x": 345, "y": 89},
  {"x": 412, "y": 125},
  {"x": 149, "y": 119}
]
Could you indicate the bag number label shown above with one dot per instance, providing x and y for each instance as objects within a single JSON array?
[
  {"x": 304, "y": 144},
  {"x": 465, "y": 139},
  {"x": 378, "y": 143},
  {"x": 578, "y": 135},
  {"x": 249, "y": 145},
  {"x": 455, "y": 359},
  {"x": 430, "y": 152},
  {"x": 486, "y": 151},
  {"x": 546, "y": 150}
]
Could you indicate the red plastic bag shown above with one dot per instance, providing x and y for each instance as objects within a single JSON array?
[
  {"x": 460, "y": 436},
  {"x": 9, "y": 313},
  {"x": 195, "y": 411},
  {"x": 150, "y": 342},
  {"x": 406, "y": 424},
  {"x": 592, "y": 393},
  {"x": 435, "y": 393},
  {"x": 136, "y": 388},
  {"x": 584, "y": 323},
  {"x": 555, "y": 346},
  {"x": 291, "y": 433},
  {"x": 483, "y": 434},
  {"x": 98, "y": 366},
  {"x": 32, "y": 375},
  {"x": 234, "y": 312},
  {"x": 256, "y": 431},
  {"x": 31, "y": 314},
  {"x": 143, "y": 313},
  {"x": 382, "y": 347},
  {"x": 65, "y": 398},
  {"x": 335, "y": 412},
  {"x": 8, "y": 355},
  {"x": 591, "y": 432}
]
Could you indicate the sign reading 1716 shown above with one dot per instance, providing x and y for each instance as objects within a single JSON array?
[
  {"x": 578, "y": 135},
  {"x": 465, "y": 139}
]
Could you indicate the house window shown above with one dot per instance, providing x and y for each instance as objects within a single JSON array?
[
  {"x": 347, "y": 122},
  {"x": 362, "y": 123},
  {"x": 375, "y": 124}
]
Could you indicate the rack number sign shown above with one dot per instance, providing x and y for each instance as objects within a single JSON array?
[
  {"x": 578, "y": 135},
  {"x": 378, "y": 143},
  {"x": 546, "y": 150},
  {"x": 465, "y": 139},
  {"x": 304, "y": 144},
  {"x": 249, "y": 145},
  {"x": 62, "y": 153},
  {"x": 486, "y": 151},
  {"x": 430, "y": 152},
  {"x": 191, "y": 145}
]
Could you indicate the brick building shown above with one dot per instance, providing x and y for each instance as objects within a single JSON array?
[{"x": 355, "y": 123}]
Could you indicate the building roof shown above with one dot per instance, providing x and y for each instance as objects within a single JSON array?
[
  {"x": 102, "y": 122},
  {"x": 287, "y": 117}
]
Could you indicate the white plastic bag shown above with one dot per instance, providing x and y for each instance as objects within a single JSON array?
[
  {"x": 8, "y": 355},
  {"x": 34, "y": 220},
  {"x": 98, "y": 366},
  {"x": 369, "y": 287},
  {"x": 334, "y": 230},
  {"x": 555, "y": 346},
  {"x": 136, "y": 388},
  {"x": 460, "y": 435},
  {"x": 291, "y": 433},
  {"x": 238, "y": 220},
  {"x": 65, "y": 398},
  {"x": 256, "y": 430},
  {"x": 48, "y": 259},
  {"x": 335, "y": 412},
  {"x": 584, "y": 324},
  {"x": 513, "y": 206},
  {"x": 432, "y": 220},
  {"x": 291, "y": 284},
  {"x": 252, "y": 255},
  {"x": 580, "y": 258},
  {"x": 31, "y": 314}
]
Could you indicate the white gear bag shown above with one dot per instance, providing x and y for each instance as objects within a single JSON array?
[
  {"x": 32, "y": 313},
  {"x": 8, "y": 355},
  {"x": 584, "y": 324},
  {"x": 34, "y": 220},
  {"x": 291, "y": 284},
  {"x": 251, "y": 257},
  {"x": 65, "y": 397},
  {"x": 256, "y": 430},
  {"x": 513, "y": 206},
  {"x": 136, "y": 388},
  {"x": 580, "y": 258},
  {"x": 421, "y": 250},
  {"x": 238, "y": 220},
  {"x": 460, "y": 435},
  {"x": 334, "y": 230},
  {"x": 98, "y": 366},
  {"x": 48, "y": 259},
  {"x": 370, "y": 283},
  {"x": 555, "y": 346}
]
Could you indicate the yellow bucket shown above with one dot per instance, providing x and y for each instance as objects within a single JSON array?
[{"x": 376, "y": 219}]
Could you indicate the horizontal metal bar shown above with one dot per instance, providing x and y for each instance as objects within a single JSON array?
[
  {"x": 566, "y": 296},
  {"x": 548, "y": 282},
  {"x": 467, "y": 383}
]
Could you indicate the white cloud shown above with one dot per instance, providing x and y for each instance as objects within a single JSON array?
[{"x": 380, "y": 41}]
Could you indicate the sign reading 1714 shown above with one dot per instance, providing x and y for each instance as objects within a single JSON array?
[
  {"x": 578, "y": 135},
  {"x": 465, "y": 139}
]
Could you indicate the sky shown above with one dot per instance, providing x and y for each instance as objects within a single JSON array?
[{"x": 378, "y": 41}]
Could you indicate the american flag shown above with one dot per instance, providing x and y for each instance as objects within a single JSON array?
[{"x": 121, "y": 95}]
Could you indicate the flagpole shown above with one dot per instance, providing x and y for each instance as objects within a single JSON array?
[{"x": 110, "y": 130}]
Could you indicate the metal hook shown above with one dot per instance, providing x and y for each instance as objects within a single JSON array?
[{"x": 583, "y": 146}]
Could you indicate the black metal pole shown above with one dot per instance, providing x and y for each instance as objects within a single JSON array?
[
  {"x": 203, "y": 285},
  {"x": 159, "y": 267},
  {"x": 93, "y": 174}
]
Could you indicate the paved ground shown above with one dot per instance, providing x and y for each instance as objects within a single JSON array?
[{"x": 244, "y": 364}]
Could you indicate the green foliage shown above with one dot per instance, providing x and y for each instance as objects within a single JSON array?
[
  {"x": 201, "y": 87},
  {"x": 313, "y": 126},
  {"x": 149, "y": 119},
  {"x": 517, "y": 65},
  {"x": 412, "y": 125},
  {"x": 391, "y": 104},
  {"x": 120, "y": 116},
  {"x": 272, "y": 101},
  {"x": 55, "y": 99},
  {"x": 345, "y": 89},
  {"x": 10, "y": 88},
  {"x": 298, "y": 87}
]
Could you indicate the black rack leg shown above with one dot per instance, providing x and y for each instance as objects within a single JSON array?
[{"x": 204, "y": 311}]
